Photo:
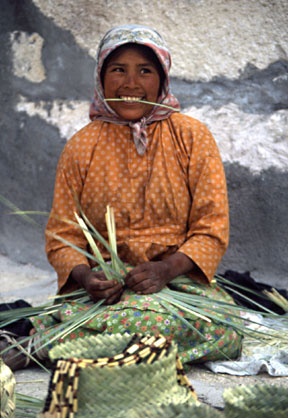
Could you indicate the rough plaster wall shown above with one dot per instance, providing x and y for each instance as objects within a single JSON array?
[
  {"x": 206, "y": 37},
  {"x": 27, "y": 50},
  {"x": 230, "y": 70}
]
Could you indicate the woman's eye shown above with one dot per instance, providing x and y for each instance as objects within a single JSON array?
[
  {"x": 145, "y": 70},
  {"x": 117, "y": 70}
]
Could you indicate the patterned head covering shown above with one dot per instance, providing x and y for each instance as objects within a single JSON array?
[{"x": 100, "y": 109}]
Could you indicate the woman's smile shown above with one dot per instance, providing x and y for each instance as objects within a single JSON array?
[
  {"x": 131, "y": 76},
  {"x": 131, "y": 98}
]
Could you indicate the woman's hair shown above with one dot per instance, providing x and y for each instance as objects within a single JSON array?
[{"x": 147, "y": 53}]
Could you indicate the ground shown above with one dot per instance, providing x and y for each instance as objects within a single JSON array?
[{"x": 35, "y": 285}]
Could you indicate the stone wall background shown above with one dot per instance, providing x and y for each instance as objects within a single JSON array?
[{"x": 230, "y": 70}]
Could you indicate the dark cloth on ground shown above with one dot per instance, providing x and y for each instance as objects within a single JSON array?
[
  {"x": 23, "y": 326},
  {"x": 245, "y": 280}
]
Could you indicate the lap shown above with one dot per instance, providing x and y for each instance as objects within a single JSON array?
[{"x": 199, "y": 341}]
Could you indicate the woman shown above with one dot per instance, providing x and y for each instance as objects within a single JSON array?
[{"x": 162, "y": 173}]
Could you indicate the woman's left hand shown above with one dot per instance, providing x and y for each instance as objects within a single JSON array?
[
  {"x": 152, "y": 276},
  {"x": 149, "y": 277}
]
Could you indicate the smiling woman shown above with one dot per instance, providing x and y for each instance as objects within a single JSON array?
[
  {"x": 162, "y": 174},
  {"x": 131, "y": 73},
  {"x": 151, "y": 50}
]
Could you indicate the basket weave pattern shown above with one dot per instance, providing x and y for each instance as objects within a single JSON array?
[
  {"x": 180, "y": 411},
  {"x": 260, "y": 401},
  {"x": 107, "y": 388},
  {"x": 7, "y": 391}
]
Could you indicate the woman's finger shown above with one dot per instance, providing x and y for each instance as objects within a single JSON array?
[
  {"x": 149, "y": 290},
  {"x": 99, "y": 293},
  {"x": 137, "y": 277},
  {"x": 114, "y": 298},
  {"x": 96, "y": 284},
  {"x": 143, "y": 285}
]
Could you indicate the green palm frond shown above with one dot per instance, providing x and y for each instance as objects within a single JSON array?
[
  {"x": 28, "y": 406},
  {"x": 277, "y": 298},
  {"x": 15, "y": 209},
  {"x": 86, "y": 253},
  {"x": 93, "y": 246},
  {"x": 145, "y": 102},
  {"x": 262, "y": 295},
  {"x": 111, "y": 228}
]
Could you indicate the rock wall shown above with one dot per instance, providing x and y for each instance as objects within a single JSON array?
[{"x": 230, "y": 70}]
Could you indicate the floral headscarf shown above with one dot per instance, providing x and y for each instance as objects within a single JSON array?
[{"x": 100, "y": 109}]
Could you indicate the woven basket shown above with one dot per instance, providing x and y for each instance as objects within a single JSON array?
[
  {"x": 252, "y": 401},
  {"x": 121, "y": 390},
  {"x": 7, "y": 391},
  {"x": 180, "y": 411}
]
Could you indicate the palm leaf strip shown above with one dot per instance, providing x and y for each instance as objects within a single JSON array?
[
  {"x": 172, "y": 299},
  {"x": 145, "y": 102},
  {"x": 25, "y": 402}
]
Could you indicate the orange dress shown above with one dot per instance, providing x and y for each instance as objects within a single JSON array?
[
  {"x": 171, "y": 199},
  {"x": 174, "y": 198}
]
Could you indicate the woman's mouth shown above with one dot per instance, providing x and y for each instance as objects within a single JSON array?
[{"x": 131, "y": 98}]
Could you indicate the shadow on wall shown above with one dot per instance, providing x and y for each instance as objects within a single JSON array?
[
  {"x": 30, "y": 147},
  {"x": 258, "y": 222},
  {"x": 255, "y": 91}
]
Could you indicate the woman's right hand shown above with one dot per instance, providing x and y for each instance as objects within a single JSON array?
[{"x": 96, "y": 284}]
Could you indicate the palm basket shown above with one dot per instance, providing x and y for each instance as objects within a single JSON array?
[
  {"x": 253, "y": 401},
  {"x": 116, "y": 376},
  {"x": 7, "y": 391},
  {"x": 180, "y": 411}
]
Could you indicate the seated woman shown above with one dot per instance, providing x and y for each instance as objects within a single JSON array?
[{"x": 162, "y": 173}]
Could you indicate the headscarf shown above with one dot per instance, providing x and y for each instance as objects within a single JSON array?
[{"x": 100, "y": 109}]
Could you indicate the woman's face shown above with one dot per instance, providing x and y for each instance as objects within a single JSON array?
[{"x": 131, "y": 74}]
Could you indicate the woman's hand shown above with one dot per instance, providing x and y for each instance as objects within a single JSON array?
[
  {"x": 149, "y": 277},
  {"x": 152, "y": 276},
  {"x": 96, "y": 284}
]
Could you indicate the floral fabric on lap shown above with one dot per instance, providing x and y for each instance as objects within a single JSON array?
[{"x": 145, "y": 314}]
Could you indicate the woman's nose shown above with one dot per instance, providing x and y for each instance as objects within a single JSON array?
[{"x": 130, "y": 79}]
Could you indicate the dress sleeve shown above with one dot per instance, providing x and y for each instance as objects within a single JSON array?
[
  {"x": 208, "y": 225},
  {"x": 67, "y": 191}
]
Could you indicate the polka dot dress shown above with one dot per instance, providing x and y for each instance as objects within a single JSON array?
[{"x": 171, "y": 199}]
